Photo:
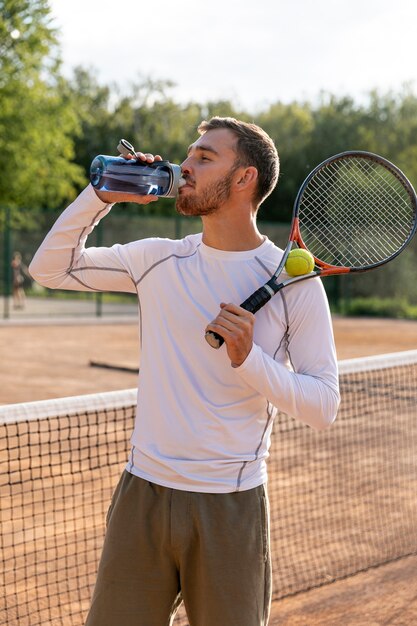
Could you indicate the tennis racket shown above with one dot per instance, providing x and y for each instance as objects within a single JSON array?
[{"x": 354, "y": 212}]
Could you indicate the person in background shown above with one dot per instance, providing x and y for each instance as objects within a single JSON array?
[{"x": 19, "y": 271}]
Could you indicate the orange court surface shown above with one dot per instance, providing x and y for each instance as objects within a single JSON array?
[{"x": 54, "y": 360}]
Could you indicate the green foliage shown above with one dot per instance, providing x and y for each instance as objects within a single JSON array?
[
  {"x": 146, "y": 115},
  {"x": 35, "y": 148},
  {"x": 36, "y": 121},
  {"x": 378, "y": 307},
  {"x": 291, "y": 127},
  {"x": 51, "y": 128},
  {"x": 27, "y": 41}
]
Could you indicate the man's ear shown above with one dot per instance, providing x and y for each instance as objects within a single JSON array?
[{"x": 247, "y": 176}]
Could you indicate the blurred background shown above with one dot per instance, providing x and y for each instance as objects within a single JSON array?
[{"x": 75, "y": 77}]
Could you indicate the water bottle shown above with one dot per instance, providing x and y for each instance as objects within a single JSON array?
[{"x": 133, "y": 176}]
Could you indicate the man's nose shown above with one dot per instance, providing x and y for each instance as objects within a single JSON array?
[{"x": 185, "y": 166}]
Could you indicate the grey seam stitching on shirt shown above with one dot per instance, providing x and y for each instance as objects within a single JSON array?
[
  {"x": 239, "y": 478},
  {"x": 287, "y": 333},
  {"x": 83, "y": 283},
  {"x": 285, "y": 336},
  {"x": 269, "y": 413},
  {"x": 132, "y": 452},
  {"x": 175, "y": 256},
  {"x": 284, "y": 302},
  {"x": 264, "y": 267},
  {"x": 99, "y": 269},
  {"x": 140, "y": 317},
  {"x": 81, "y": 236}
]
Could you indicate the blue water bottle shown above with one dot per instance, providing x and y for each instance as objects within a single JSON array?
[{"x": 133, "y": 176}]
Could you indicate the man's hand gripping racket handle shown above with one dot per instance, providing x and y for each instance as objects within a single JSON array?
[{"x": 255, "y": 302}]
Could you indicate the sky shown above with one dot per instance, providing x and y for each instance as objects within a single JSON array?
[{"x": 252, "y": 52}]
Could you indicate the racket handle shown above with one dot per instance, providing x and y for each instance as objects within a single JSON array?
[
  {"x": 252, "y": 304},
  {"x": 214, "y": 340},
  {"x": 257, "y": 300}
]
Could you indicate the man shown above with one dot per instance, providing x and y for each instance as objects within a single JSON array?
[{"x": 189, "y": 518}]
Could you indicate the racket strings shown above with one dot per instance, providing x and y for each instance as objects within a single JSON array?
[{"x": 355, "y": 212}]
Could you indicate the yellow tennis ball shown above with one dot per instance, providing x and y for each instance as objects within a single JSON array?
[{"x": 299, "y": 262}]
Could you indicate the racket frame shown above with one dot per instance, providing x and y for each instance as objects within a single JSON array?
[{"x": 262, "y": 295}]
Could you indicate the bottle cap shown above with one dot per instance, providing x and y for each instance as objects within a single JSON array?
[
  {"x": 175, "y": 179},
  {"x": 125, "y": 148}
]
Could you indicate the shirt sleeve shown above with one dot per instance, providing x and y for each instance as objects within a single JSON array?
[
  {"x": 63, "y": 262},
  {"x": 308, "y": 388}
]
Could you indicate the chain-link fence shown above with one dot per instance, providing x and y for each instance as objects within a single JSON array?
[{"x": 397, "y": 280}]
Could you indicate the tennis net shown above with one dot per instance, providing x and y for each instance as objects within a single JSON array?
[{"x": 342, "y": 500}]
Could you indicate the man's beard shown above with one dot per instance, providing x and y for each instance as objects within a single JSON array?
[{"x": 209, "y": 200}]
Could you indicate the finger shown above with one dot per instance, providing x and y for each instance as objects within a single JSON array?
[
  {"x": 227, "y": 319},
  {"x": 238, "y": 338},
  {"x": 229, "y": 306},
  {"x": 148, "y": 199},
  {"x": 219, "y": 325},
  {"x": 142, "y": 156},
  {"x": 219, "y": 330},
  {"x": 138, "y": 199},
  {"x": 236, "y": 310},
  {"x": 230, "y": 322},
  {"x": 146, "y": 156}
]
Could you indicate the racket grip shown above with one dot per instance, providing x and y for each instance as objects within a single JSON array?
[
  {"x": 252, "y": 304},
  {"x": 257, "y": 300}
]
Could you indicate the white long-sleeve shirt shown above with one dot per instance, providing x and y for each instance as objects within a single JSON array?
[{"x": 201, "y": 424}]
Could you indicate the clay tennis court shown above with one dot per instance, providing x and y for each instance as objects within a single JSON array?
[
  {"x": 41, "y": 362},
  {"x": 52, "y": 361}
]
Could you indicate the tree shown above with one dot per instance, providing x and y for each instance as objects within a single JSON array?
[
  {"x": 145, "y": 114},
  {"x": 291, "y": 127},
  {"x": 36, "y": 123},
  {"x": 92, "y": 104},
  {"x": 26, "y": 38}
]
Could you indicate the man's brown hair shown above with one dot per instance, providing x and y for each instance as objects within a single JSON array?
[{"x": 254, "y": 148}]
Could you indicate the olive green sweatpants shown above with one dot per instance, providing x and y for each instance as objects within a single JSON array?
[{"x": 164, "y": 545}]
